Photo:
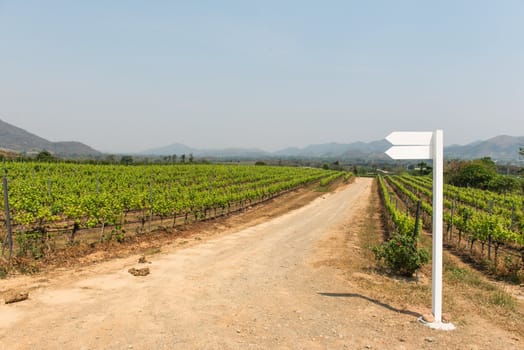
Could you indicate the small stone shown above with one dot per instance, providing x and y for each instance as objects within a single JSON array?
[
  {"x": 139, "y": 272},
  {"x": 16, "y": 297},
  {"x": 239, "y": 331},
  {"x": 429, "y": 339},
  {"x": 446, "y": 317},
  {"x": 402, "y": 340},
  {"x": 429, "y": 318}
]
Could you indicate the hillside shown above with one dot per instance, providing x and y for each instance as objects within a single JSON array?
[
  {"x": 15, "y": 139},
  {"x": 501, "y": 148}
]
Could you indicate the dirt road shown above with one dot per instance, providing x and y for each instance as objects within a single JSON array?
[{"x": 263, "y": 287}]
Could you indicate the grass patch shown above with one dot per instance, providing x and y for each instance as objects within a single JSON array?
[
  {"x": 480, "y": 291},
  {"x": 502, "y": 299},
  {"x": 369, "y": 231},
  {"x": 457, "y": 275},
  {"x": 323, "y": 188}
]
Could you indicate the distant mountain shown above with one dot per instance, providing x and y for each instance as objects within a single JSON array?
[
  {"x": 500, "y": 148},
  {"x": 354, "y": 150},
  {"x": 175, "y": 148},
  {"x": 320, "y": 150},
  {"x": 15, "y": 139},
  {"x": 179, "y": 149}
]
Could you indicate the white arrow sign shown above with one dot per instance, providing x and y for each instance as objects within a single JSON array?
[
  {"x": 409, "y": 152},
  {"x": 427, "y": 145},
  {"x": 410, "y": 138}
]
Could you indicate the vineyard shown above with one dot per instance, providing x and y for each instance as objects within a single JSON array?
[
  {"x": 54, "y": 205},
  {"x": 487, "y": 226}
]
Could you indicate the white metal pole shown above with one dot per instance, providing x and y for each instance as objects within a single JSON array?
[{"x": 438, "y": 183}]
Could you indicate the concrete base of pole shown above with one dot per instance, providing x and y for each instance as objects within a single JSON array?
[{"x": 437, "y": 325}]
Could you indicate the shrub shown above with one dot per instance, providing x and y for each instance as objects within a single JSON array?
[{"x": 401, "y": 254}]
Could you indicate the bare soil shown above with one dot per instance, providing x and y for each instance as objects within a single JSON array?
[{"x": 285, "y": 276}]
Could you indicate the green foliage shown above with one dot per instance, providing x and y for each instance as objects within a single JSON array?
[
  {"x": 29, "y": 244},
  {"x": 479, "y": 216},
  {"x": 401, "y": 254},
  {"x": 482, "y": 174},
  {"x": 88, "y": 196},
  {"x": 474, "y": 175},
  {"x": 45, "y": 156},
  {"x": 502, "y": 299},
  {"x": 126, "y": 160},
  {"x": 502, "y": 183},
  {"x": 328, "y": 180}
]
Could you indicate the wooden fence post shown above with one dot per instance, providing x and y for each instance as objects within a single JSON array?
[{"x": 8, "y": 217}]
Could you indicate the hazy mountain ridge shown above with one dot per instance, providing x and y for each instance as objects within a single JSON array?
[
  {"x": 501, "y": 148},
  {"x": 16, "y": 139},
  {"x": 179, "y": 149}
]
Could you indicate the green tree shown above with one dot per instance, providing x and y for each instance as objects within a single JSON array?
[
  {"x": 476, "y": 175},
  {"x": 45, "y": 156},
  {"x": 110, "y": 158},
  {"x": 126, "y": 160},
  {"x": 503, "y": 184}
]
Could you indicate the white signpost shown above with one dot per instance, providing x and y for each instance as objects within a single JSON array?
[{"x": 428, "y": 145}]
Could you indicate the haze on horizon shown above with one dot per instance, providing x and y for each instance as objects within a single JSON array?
[{"x": 126, "y": 76}]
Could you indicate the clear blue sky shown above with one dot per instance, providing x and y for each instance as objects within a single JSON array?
[{"x": 131, "y": 75}]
